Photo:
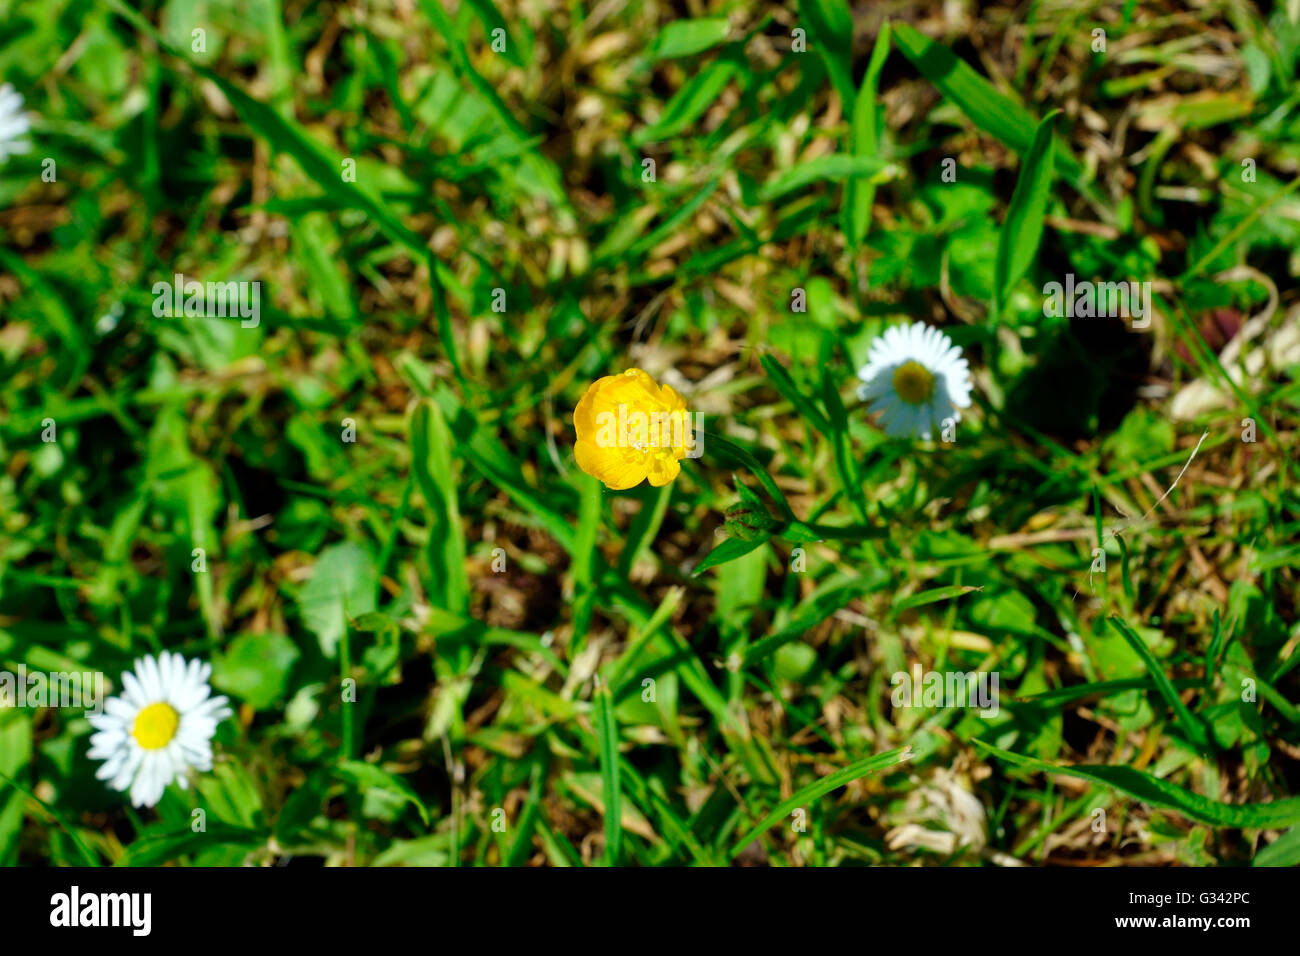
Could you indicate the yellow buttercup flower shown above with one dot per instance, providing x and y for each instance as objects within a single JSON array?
[{"x": 630, "y": 429}]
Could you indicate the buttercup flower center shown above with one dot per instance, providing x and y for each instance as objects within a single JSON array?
[
  {"x": 914, "y": 383},
  {"x": 155, "y": 726}
]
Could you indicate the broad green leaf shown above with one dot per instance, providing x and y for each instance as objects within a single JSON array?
[
  {"x": 366, "y": 776},
  {"x": 384, "y": 653},
  {"x": 739, "y": 591},
  {"x": 303, "y": 805},
  {"x": 157, "y": 850},
  {"x": 342, "y": 586},
  {"x": 231, "y": 794},
  {"x": 425, "y": 851},
  {"x": 1008, "y": 611},
  {"x": 255, "y": 668},
  {"x": 793, "y": 661}
]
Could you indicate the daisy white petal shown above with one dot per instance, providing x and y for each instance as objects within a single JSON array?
[
  {"x": 914, "y": 378},
  {"x": 14, "y": 123},
  {"x": 160, "y": 729}
]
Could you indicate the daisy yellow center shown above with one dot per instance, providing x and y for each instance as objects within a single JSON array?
[
  {"x": 914, "y": 383},
  {"x": 155, "y": 726}
]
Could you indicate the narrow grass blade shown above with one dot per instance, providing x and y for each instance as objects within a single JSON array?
[
  {"x": 830, "y": 33},
  {"x": 1284, "y": 851},
  {"x": 691, "y": 671},
  {"x": 493, "y": 21},
  {"x": 673, "y": 828},
  {"x": 846, "y": 459},
  {"x": 785, "y": 384},
  {"x": 1213, "y": 651},
  {"x": 617, "y": 672},
  {"x": 1105, "y": 688},
  {"x": 90, "y": 858},
  {"x": 859, "y": 195},
  {"x": 522, "y": 844},
  {"x": 645, "y": 527},
  {"x": 689, "y": 103},
  {"x": 1023, "y": 229},
  {"x": 836, "y": 167},
  {"x": 806, "y": 616},
  {"x": 607, "y": 732},
  {"x": 1192, "y": 727},
  {"x": 689, "y": 37},
  {"x": 1159, "y": 793},
  {"x": 584, "y": 554},
  {"x": 733, "y": 453},
  {"x": 464, "y": 68},
  {"x": 728, "y": 550},
  {"x": 996, "y": 114},
  {"x": 324, "y": 169},
  {"x": 822, "y": 787},
  {"x": 431, "y": 445},
  {"x": 934, "y": 595},
  {"x": 674, "y": 222}
]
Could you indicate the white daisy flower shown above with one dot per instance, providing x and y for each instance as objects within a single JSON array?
[
  {"x": 159, "y": 729},
  {"x": 13, "y": 123},
  {"x": 915, "y": 377}
]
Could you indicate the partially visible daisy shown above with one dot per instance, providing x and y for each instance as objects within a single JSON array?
[
  {"x": 13, "y": 123},
  {"x": 915, "y": 377},
  {"x": 159, "y": 729}
]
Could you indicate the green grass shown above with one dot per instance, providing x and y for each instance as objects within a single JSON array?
[{"x": 444, "y": 643}]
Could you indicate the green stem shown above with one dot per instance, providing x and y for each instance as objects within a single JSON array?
[{"x": 345, "y": 668}]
